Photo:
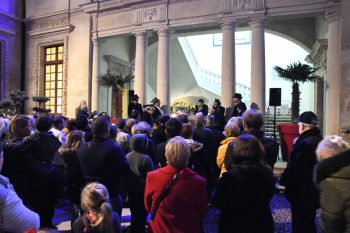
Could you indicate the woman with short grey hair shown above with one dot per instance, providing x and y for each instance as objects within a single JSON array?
[{"x": 164, "y": 193}]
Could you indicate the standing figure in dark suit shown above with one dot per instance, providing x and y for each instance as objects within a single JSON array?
[
  {"x": 219, "y": 112},
  {"x": 239, "y": 107},
  {"x": 201, "y": 107},
  {"x": 298, "y": 175},
  {"x": 135, "y": 108},
  {"x": 157, "y": 109}
]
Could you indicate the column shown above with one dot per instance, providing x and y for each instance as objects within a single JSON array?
[
  {"x": 95, "y": 74},
  {"x": 333, "y": 76},
  {"x": 257, "y": 80},
  {"x": 228, "y": 74},
  {"x": 141, "y": 66},
  {"x": 163, "y": 69}
]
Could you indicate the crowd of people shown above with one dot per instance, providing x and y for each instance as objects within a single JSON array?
[{"x": 168, "y": 170}]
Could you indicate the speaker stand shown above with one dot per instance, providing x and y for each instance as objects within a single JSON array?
[{"x": 274, "y": 123}]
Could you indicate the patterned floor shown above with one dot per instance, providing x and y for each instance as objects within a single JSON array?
[{"x": 279, "y": 206}]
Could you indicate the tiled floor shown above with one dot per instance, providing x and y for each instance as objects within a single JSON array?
[{"x": 279, "y": 206}]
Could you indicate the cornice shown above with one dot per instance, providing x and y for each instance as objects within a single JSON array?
[{"x": 56, "y": 23}]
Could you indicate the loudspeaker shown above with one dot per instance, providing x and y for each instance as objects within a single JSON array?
[
  {"x": 131, "y": 93},
  {"x": 275, "y": 97}
]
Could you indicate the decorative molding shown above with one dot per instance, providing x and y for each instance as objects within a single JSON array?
[
  {"x": 55, "y": 23},
  {"x": 116, "y": 64},
  {"x": 151, "y": 14},
  {"x": 318, "y": 56},
  {"x": 7, "y": 22},
  {"x": 6, "y": 67},
  {"x": 242, "y": 5},
  {"x": 36, "y": 75}
]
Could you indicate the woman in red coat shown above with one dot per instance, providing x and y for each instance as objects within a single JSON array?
[{"x": 184, "y": 206}]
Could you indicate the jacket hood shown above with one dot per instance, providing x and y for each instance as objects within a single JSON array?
[{"x": 139, "y": 143}]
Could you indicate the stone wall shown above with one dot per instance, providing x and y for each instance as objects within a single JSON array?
[{"x": 344, "y": 121}]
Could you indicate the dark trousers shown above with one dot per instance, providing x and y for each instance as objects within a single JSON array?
[
  {"x": 138, "y": 212},
  {"x": 43, "y": 202},
  {"x": 303, "y": 220}
]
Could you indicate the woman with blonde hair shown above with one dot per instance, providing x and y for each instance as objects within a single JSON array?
[
  {"x": 98, "y": 217},
  {"x": 175, "y": 195}
]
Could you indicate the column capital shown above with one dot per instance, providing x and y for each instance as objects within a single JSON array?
[
  {"x": 163, "y": 32},
  {"x": 257, "y": 22},
  {"x": 95, "y": 41},
  {"x": 229, "y": 25},
  {"x": 332, "y": 15}
]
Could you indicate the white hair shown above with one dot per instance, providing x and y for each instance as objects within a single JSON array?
[{"x": 330, "y": 146}]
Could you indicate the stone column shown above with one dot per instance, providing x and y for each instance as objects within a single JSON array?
[
  {"x": 95, "y": 74},
  {"x": 257, "y": 80},
  {"x": 333, "y": 76},
  {"x": 163, "y": 69},
  {"x": 141, "y": 66},
  {"x": 228, "y": 74}
]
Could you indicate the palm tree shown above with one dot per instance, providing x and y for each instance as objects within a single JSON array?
[
  {"x": 297, "y": 73},
  {"x": 116, "y": 81}
]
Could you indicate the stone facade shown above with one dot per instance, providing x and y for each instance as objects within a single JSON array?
[{"x": 87, "y": 28}]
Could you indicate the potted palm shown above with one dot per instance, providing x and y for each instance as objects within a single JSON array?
[
  {"x": 116, "y": 81},
  {"x": 296, "y": 73}
]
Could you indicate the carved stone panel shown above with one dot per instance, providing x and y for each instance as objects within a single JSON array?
[
  {"x": 152, "y": 14},
  {"x": 49, "y": 23},
  {"x": 239, "y": 5}
]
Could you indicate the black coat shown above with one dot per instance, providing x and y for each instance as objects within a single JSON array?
[
  {"x": 75, "y": 177},
  {"x": 271, "y": 147},
  {"x": 243, "y": 198},
  {"x": 133, "y": 108},
  {"x": 103, "y": 161},
  {"x": 204, "y": 109},
  {"x": 241, "y": 106},
  {"x": 297, "y": 177},
  {"x": 205, "y": 136},
  {"x": 219, "y": 114},
  {"x": 159, "y": 135}
]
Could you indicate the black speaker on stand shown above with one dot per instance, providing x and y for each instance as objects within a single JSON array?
[{"x": 275, "y": 100}]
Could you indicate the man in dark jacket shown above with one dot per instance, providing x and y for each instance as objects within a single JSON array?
[
  {"x": 239, "y": 107},
  {"x": 201, "y": 107},
  {"x": 104, "y": 161},
  {"x": 134, "y": 108},
  {"x": 252, "y": 122},
  {"x": 205, "y": 136},
  {"x": 173, "y": 128},
  {"x": 297, "y": 177}
]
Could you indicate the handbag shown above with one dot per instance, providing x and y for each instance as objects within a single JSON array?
[
  {"x": 159, "y": 200},
  {"x": 163, "y": 195}
]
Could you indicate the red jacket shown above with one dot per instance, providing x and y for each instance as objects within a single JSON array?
[{"x": 185, "y": 206}]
